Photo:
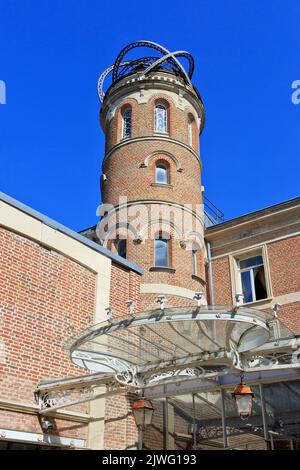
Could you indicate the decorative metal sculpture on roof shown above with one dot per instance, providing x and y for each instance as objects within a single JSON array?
[{"x": 167, "y": 62}]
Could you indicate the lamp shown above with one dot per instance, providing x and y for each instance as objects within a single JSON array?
[
  {"x": 243, "y": 397},
  {"x": 142, "y": 412}
]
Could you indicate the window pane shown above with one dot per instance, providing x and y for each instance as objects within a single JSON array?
[
  {"x": 248, "y": 263},
  {"x": 260, "y": 283},
  {"x": 161, "y": 252},
  {"x": 126, "y": 115},
  {"x": 121, "y": 248},
  {"x": 194, "y": 255},
  {"x": 160, "y": 118},
  {"x": 190, "y": 132},
  {"x": 161, "y": 174},
  {"x": 246, "y": 286}
]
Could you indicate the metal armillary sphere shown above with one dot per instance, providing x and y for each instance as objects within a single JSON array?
[{"x": 168, "y": 61}]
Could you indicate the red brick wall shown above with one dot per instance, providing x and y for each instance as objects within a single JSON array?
[
  {"x": 45, "y": 298},
  {"x": 126, "y": 177},
  {"x": 143, "y": 120},
  {"x": 284, "y": 260},
  {"x": 222, "y": 281},
  {"x": 120, "y": 429},
  {"x": 284, "y": 266}
]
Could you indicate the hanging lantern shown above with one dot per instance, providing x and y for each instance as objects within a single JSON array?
[
  {"x": 143, "y": 412},
  {"x": 243, "y": 396}
]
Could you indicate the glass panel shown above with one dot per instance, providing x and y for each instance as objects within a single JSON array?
[
  {"x": 121, "y": 247},
  {"x": 248, "y": 263},
  {"x": 126, "y": 123},
  {"x": 190, "y": 132},
  {"x": 161, "y": 252},
  {"x": 160, "y": 118},
  {"x": 260, "y": 283},
  {"x": 246, "y": 286},
  {"x": 194, "y": 255},
  {"x": 161, "y": 174}
]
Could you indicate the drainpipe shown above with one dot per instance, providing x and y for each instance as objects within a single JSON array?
[{"x": 211, "y": 279}]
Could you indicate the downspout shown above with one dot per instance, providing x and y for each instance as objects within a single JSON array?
[{"x": 211, "y": 279}]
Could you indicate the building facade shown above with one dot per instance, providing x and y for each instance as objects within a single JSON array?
[{"x": 156, "y": 246}]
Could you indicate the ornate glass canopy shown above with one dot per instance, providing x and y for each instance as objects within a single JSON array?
[
  {"x": 165, "y": 344},
  {"x": 166, "y": 347}
]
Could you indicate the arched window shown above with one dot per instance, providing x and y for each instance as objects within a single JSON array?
[
  {"x": 120, "y": 246},
  {"x": 160, "y": 118},
  {"x": 161, "y": 251},
  {"x": 190, "y": 131},
  {"x": 194, "y": 262},
  {"x": 126, "y": 123},
  {"x": 161, "y": 174}
]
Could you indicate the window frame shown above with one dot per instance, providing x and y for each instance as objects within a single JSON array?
[
  {"x": 194, "y": 262},
  {"x": 162, "y": 237},
  {"x": 161, "y": 105},
  {"x": 162, "y": 165},
  {"x": 191, "y": 122},
  {"x": 235, "y": 272},
  {"x": 125, "y": 110}
]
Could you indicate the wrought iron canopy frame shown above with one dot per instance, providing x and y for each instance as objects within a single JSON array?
[{"x": 163, "y": 350}]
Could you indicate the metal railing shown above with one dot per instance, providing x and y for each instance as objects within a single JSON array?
[{"x": 213, "y": 215}]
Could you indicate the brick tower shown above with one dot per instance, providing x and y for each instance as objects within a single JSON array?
[{"x": 152, "y": 117}]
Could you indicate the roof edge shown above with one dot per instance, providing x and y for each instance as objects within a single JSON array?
[
  {"x": 71, "y": 233},
  {"x": 289, "y": 204}
]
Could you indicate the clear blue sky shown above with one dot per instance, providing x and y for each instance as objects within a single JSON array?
[{"x": 247, "y": 55}]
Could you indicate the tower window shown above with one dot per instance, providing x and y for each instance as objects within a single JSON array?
[
  {"x": 253, "y": 279},
  {"x": 194, "y": 262},
  {"x": 160, "y": 118},
  {"x": 161, "y": 174},
  {"x": 126, "y": 123},
  {"x": 161, "y": 248},
  {"x": 190, "y": 131},
  {"x": 121, "y": 246}
]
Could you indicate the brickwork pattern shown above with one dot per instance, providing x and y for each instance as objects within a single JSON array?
[{"x": 45, "y": 299}]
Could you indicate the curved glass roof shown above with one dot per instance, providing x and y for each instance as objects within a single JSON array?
[{"x": 151, "y": 341}]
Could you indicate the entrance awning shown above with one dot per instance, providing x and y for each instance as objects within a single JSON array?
[{"x": 169, "y": 345}]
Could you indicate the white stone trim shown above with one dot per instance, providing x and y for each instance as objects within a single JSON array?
[
  {"x": 285, "y": 299},
  {"x": 32, "y": 409},
  {"x": 168, "y": 289},
  {"x": 42, "y": 439},
  {"x": 153, "y": 137},
  {"x": 256, "y": 245},
  {"x": 236, "y": 285}
]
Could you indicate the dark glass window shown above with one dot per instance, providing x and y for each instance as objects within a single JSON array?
[
  {"x": 253, "y": 278},
  {"x": 121, "y": 246},
  {"x": 126, "y": 123},
  {"x": 161, "y": 249}
]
